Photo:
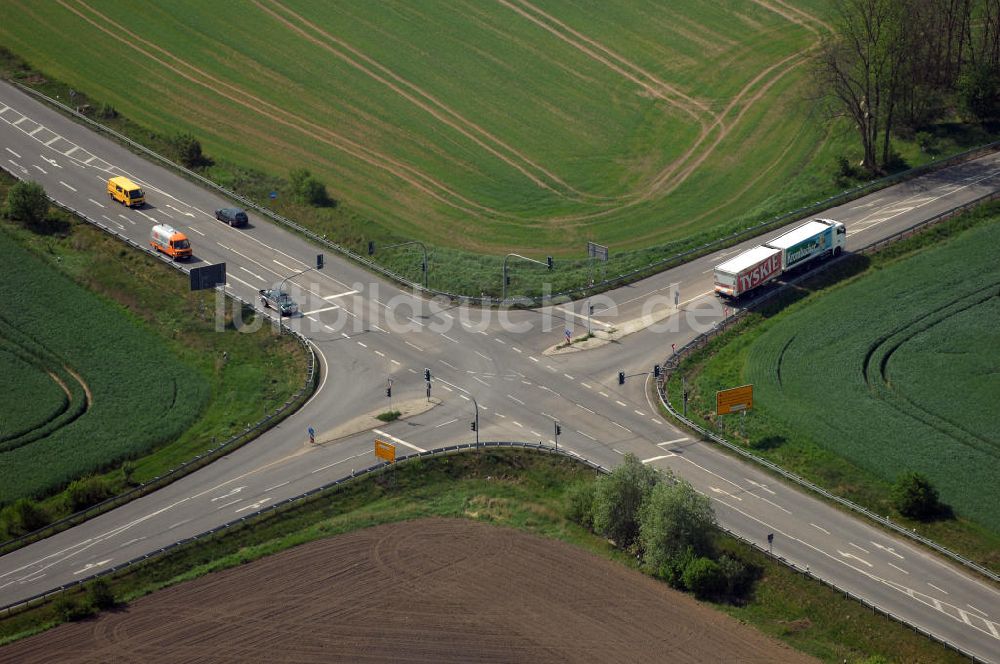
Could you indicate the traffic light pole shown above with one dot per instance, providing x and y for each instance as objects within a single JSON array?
[
  {"x": 319, "y": 266},
  {"x": 475, "y": 424},
  {"x": 371, "y": 252},
  {"x": 548, "y": 263}
]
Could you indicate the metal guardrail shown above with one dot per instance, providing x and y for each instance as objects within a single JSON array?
[
  {"x": 288, "y": 503},
  {"x": 672, "y": 362},
  {"x": 198, "y": 461},
  {"x": 530, "y": 302}
]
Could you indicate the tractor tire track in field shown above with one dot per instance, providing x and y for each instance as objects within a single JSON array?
[
  {"x": 882, "y": 349},
  {"x": 422, "y": 99},
  {"x": 405, "y": 172},
  {"x": 617, "y": 63}
]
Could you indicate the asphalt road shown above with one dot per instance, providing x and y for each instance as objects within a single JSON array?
[{"x": 367, "y": 331}]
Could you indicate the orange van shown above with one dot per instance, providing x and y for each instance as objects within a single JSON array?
[{"x": 170, "y": 241}]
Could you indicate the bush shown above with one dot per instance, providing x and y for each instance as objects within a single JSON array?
[
  {"x": 925, "y": 140},
  {"x": 86, "y": 492},
  {"x": 23, "y": 517},
  {"x": 307, "y": 190},
  {"x": 580, "y": 503},
  {"x": 188, "y": 150},
  {"x": 739, "y": 576},
  {"x": 915, "y": 497},
  {"x": 845, "y": 172},
  {"x": 704, "y": 578},
  {"x": 979, "y": 91},
  {"x": 107, "y": 112},
  {"x": 27, "y": 202},
  {"x": 70, "y": 609},
  {"x": 619, "y": 496},
  {"x": 100, "y": 595}
]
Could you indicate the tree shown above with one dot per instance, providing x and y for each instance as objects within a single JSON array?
[
  {"x": 27, "y": 202},
  {"x": 23, "y": 517},
  {"x": 619, "y": 496},
  {"x": 674, "y": 520},
  {"x": 306, "y": 189},
  {"x": 979, "y": 91},
  {"x": 862, "y": 68},
  {"x": 580, "y": 503},
  {"x": 915, "y": 497},
  {"x": 100, "y": 595}
]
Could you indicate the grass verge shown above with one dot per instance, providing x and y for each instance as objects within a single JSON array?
[
  {"x": 722, "y": 363},
  {"x": 248, "y": 374},
  {"x": 516, "y": 488}
]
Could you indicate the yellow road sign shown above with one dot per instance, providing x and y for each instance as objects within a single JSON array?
[
  {"x": 384, "y": 450},
  {"x": 734, "y": 400}
]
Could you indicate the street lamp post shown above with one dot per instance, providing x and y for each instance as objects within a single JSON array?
[
  {"x": 548, "y": 263},
  {"x": 371, "y": 251}
]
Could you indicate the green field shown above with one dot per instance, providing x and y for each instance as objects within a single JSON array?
[
  {"x": 126, "y": 391},
  {"x": 896, "y": 370},
  {"x": 487, "y": 127}
]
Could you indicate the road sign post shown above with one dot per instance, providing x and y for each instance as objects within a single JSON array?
[
  {"x": 734, "y": 400},
  {"x": 770, "y": 544},
  {"x": 312, "y": 435}
]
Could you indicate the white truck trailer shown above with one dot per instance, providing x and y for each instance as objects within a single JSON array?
[{"x": 755, "y": 267}]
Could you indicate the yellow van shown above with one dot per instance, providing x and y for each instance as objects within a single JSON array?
[{"x": 126, "y": 192}]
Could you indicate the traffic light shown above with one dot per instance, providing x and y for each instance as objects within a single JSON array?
[
  {"x": 656, "y": 371},
  {"x": 548, "y": 259},
  {"x": 388, "y": 392},
  {"x": 427, "y": 374},
  {"x": 371, "y": 248},
  {"x": 558, "y": 429},
  {"x": 319, "y": 261},
  {"x": 472, "y": 425},
  {"x": 621, "y": 377}
]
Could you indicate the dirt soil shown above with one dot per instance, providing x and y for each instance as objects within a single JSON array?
[{"x": 433, "y": 590}]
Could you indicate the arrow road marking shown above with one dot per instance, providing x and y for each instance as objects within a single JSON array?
[
  {"x": 186, "y": 214},
  {"x": 854, "y": 557},
  {"x": 888, "y": 549},
  {"x": 90, "y": 566},
  {"x": 718, "y": 490},
  {"x": 231, "y": 493},
  {"x": 759, "y": 485}
]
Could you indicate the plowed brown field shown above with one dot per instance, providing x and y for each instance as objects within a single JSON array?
[{"x": 433, "y": 590}]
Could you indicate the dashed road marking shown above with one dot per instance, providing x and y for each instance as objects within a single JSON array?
[
  {"x": 899, "y": 568},
  {"x": 586, "y": 435},
  {"x": 938, "y": 589},
  {"x": 819, "y": 528},
  {"x": 585, "y": 408}
]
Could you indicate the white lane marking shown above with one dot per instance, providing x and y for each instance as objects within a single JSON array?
[
  {"x": 485, "y": 357},
  {"x": 657, "y": 458},
  {"x": 499, "y": 340},
  {"x": 518, "y": 423},
  {"x": 760, "y": 486},
  {"x": 224, "y": 505},
  {"x": 938, "y": 589},
  {"x": 854, "y": 557},
  {"x": 97, "y": 203},
  {"x": 975, "y": 609},
  {"x": 723, "y": 491},
  {"x": 11, "y": 151},
  {"x": 618, "y": 451},
  {"x": 568, "y": 376},
  {"x": 502, "y": 416},
  {"x": 887, "y": 549},
  {"x": 231, "y": 493},
  {"x": 67, "y": 186},
  {"x": 397, "y": 362},
  {"x": 319, "y": 311},
  {"x": 535, "y": 433},
  {"x": 639, "y": 412},
  {"x": 444, "y": 424},
  {"x": 414, "y": 320},
  {"x": 363, "y": 345},
  {"x": 285, "y": 267},
  {"x": 819, "y": 528},
  {"x": 859, "y": 548},
  {"x": 532, "y": 358},
  {"x": 604, "y": 394},
  {"x": 454, "y": 341},
  {"x": 620, "y": 403},
  {"x": 146, "y": 216},
  {"x": 622, "y": 427},
  {"x": 245, "y": 283},
  {"x": 481, "y": 380},
  {"x": 587, "y": 386},
  {"x": 586, "y": 409},
  {"x": 413, "y": 346},
  {"x": 516, "y": 349},
  {"x": 166, "y": 214},
  {"x": 330, "y": 297},
  {"x": 445, "y": 387},
  {"x": 899, "y": 568},
  {"x": 586, "y": 435},
  {"x": 398, "y": 440},
  {"x": 671, "y": 442},
  {"x": 550, "y": 367},
  {"x": 380, "y": 353},
  {"x": 253, "y": 506},
  {"x": 252, "y": 274},
  {"x": 448, "y": 364},
  {"x": 316, "y": 320},
  {"x": 464, "y": 397},
  {"x": 192, "y": 228},
  {"x": 337, "y": 463},
  {"x": 515, "y": 399},
  {"x": 40, "y": 169},
  {"x": 90, "y": 566},
  {"x": 583, "y": 316},
  {"x": 276, "y": 486}
]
